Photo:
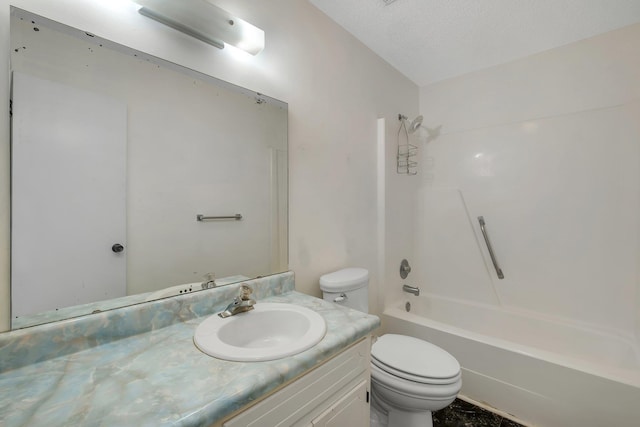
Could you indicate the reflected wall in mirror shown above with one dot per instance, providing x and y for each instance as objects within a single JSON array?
[{"x": 114, "y": 154}]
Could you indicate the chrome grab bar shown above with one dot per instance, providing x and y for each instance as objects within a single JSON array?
[
  {"x": 491, "y": 254},
  {"x": 201, "y": 217}
]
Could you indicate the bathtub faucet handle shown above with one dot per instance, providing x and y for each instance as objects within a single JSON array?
[
  {"x": 405, "y": 269},
  {"x": 411, "y": 289}
]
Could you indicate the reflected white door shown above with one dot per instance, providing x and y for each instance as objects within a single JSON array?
[{"x": 68, "y": 196}]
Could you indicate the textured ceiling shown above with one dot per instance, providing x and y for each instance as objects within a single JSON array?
[{"x": 432, "y": 40}]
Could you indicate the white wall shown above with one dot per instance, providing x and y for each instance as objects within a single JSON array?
[
  {"x": 546, "y": 149},
  {"x": 336, "y": 88}
]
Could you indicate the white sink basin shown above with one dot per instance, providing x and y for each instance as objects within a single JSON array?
[{"x": 269, "y": 331}]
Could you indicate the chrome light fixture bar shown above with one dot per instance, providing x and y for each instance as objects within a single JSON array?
[{"x": 206, "y": 22}]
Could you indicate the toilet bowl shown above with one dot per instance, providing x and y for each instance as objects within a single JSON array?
[{"x": 410, "y": 377}]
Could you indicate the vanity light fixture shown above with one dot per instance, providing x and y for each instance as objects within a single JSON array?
[{"x": 206, "y": 22}]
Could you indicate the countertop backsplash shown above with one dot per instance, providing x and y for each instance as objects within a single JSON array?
[{"x": 39, "y": 343}]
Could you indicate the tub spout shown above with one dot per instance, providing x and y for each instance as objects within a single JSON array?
[{"x": 411, "y": 289}]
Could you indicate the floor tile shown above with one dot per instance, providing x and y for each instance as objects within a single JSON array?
[{"x": 464, "y": 414}]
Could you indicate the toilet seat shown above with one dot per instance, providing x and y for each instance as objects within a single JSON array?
[
  {"x": 421, "y": 392},
  {"x": 415, "y": 360}
]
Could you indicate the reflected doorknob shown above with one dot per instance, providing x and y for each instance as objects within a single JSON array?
[{"x": 117, "y": 248}]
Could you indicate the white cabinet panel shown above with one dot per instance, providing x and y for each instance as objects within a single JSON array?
[
  {"x": 351, "y": 410},
  {"x": 328, "y": 391}
]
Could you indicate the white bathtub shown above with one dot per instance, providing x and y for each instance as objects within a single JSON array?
[{"x": 542, "y": 371}]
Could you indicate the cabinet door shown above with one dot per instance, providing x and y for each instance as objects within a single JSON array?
[
  {"x": 351, "y": 410},
  {"x": 301, "y": 401}
]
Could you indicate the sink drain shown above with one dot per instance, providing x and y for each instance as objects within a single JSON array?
[{"x": 407, "y": 306}]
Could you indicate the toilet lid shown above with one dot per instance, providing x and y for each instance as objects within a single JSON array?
[{"x": 414, "y": 357}]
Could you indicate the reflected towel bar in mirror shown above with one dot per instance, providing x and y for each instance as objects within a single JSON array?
[{"x": 201, "y": 217}]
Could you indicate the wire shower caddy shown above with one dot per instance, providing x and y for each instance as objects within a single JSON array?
[{"x": 407, "y": 164}]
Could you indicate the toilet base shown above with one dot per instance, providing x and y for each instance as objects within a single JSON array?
[
  {"x": 380, "y": 418},
  {"x": 384, "y": 415},
  {"x": 410, "y": 419}
]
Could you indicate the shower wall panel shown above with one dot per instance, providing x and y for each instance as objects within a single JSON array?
[{"x": 547, "y": 150}]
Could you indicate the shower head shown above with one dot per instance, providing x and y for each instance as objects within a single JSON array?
[{"x": 414, "y": 125}]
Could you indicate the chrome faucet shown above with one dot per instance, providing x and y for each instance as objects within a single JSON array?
[
  {"x": 240, "y": 304},
  {"x": 209, "y": 281}
]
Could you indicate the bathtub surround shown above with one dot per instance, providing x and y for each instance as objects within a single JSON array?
[
  {"x": 545, "y": 149},
  {"x": 66, "y": 373}
]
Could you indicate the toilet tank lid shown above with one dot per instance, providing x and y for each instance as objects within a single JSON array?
[{"x": 347, "y": 279}]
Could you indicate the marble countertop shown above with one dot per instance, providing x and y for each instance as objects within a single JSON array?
[{"x": 159, "y": 377}]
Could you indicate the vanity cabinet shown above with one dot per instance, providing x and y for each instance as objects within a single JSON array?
[
  {"x": 333, "y": 394},
  {"x": 352, "y": 409}
]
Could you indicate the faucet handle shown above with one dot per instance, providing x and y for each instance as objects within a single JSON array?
[{"x": 245, "y": 292}]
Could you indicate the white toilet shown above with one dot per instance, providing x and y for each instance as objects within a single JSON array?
[{"x": 410, "y": 377}]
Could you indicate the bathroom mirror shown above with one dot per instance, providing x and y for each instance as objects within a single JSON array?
[{"x": 133, "y": 178}]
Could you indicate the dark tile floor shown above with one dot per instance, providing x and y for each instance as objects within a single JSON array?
[{"x": 464, "y": 414}]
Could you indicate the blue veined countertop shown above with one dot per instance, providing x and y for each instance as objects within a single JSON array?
[{"x": 154, "y": 376}]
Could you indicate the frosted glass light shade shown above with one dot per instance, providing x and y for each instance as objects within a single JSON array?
[{"x": 206, "y": 22}]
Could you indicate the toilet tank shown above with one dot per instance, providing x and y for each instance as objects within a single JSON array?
[{"x": 348, "y": 287}]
